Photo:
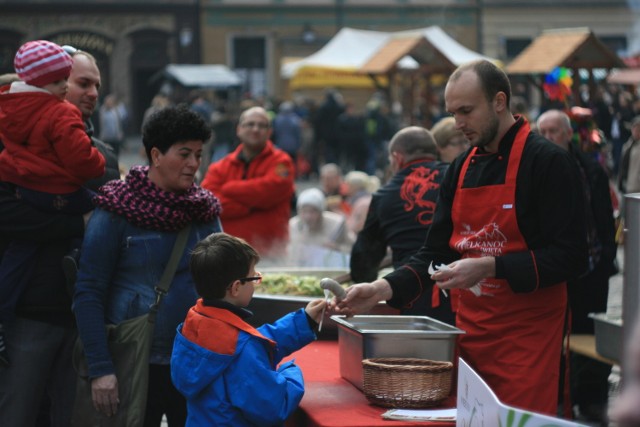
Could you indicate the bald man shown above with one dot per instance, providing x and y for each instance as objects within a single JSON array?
[
  {"x": 508, "y": 225},
  {"x": 255, "y": 184},
  {"x": 588, "y": 293}
]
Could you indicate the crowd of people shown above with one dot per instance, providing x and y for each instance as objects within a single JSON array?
[{"x": 523, "y": 214}]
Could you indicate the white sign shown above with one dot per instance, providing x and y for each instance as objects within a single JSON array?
[{"x": 478, "y": 406}]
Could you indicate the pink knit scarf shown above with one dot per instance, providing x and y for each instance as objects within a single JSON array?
[{"x": 145, "y": 205}]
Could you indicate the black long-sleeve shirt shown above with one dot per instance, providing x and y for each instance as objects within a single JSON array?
[
  {"x": 549, "y": 212},
  {"x": 399, "y": 217}
]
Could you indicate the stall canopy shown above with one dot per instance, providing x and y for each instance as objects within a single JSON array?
[
  {"x": 337, "y": 62},
  {"x": 430, "y": 46},
  {"x": 572, "y": 48},
  {"x": 629, "y": 76},
  {"x": 202, "y": 76},
  {"x": 352, "y": 54}
]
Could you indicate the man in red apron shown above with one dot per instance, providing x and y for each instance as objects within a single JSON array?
[{"x": 509, "y": 226}]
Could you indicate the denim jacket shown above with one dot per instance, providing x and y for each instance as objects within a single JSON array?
[{"x": 120, "y": 266}]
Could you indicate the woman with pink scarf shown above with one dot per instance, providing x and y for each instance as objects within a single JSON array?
[{"x": 126, "y": 246}]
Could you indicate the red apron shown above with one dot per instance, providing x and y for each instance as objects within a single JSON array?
[{"x": 514, "y": 341}]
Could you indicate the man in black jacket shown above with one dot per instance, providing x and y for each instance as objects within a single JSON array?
[
  {"x": 509, "y": 228},
  {"x": 588, "y": 293},
  {"x": 40, "y": 339},
  {"x": 400, "y": 214}
]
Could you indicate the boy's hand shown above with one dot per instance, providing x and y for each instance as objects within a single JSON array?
[{"x": 314, "y": 309}]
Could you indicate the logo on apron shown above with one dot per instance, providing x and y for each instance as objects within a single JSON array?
[{"x": 489, "y": 241}]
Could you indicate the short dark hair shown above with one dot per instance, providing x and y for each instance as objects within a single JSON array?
[
  {"x": 171, "y": 125},
  {"x": 492, "y": 78},
  {"x": 219, "y": 259},
  {"x": 414, "y": 142}
]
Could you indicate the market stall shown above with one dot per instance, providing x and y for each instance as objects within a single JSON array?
[
  {"x": 570, "y": 48},
  {"x": 402, "y": 64}
]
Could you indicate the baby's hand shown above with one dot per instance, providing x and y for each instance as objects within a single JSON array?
[{"x": 314, "y": 309}]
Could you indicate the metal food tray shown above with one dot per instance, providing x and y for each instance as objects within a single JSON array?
[
  {"x": 267, "y": 308},
  {"x": 608, "y": 336},
  {"x": 367, "y": 336}
]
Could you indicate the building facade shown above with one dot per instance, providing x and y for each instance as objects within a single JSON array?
[
  {"x": 131, "y": 40},
  {"x": 134, "y": 40}
]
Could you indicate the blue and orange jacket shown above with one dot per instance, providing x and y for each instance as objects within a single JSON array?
[{"x": 228, "y": 370}]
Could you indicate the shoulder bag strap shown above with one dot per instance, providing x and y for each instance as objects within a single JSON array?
[{"x": 178, "y": 248}]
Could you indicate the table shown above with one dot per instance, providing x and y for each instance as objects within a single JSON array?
[
  {"x": 586, "y": 346},
  {"x": 331, "y": 401}
]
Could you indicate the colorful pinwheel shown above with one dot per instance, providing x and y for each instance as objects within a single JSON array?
[{"x": 557, "y": 84}]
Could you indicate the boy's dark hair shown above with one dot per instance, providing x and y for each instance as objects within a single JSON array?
[
  {"x": 217, "y": 260},
  {"x": 172, "y": 125}
]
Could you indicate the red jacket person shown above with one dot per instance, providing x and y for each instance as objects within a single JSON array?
[{"x": 255, "y": 184}]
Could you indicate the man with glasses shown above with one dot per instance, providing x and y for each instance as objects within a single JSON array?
[{"x": 255, "y": 184}]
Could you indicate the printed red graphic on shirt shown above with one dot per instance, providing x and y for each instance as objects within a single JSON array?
[{"x": 413, "y": 190}]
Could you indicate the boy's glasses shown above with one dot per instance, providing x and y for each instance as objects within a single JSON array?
[{"x": 257, "y": 279}]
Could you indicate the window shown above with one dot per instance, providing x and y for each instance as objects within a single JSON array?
[
  {"x": 250, "y": 62},
  {"x": 513, "y": 46},
  {"x": 617, "y": 44}
]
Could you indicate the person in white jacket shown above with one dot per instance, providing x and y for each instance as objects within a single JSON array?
[{"x": 317, "y": 237}]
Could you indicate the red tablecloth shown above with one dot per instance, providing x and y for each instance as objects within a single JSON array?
[{"x": 331, "y": 401}]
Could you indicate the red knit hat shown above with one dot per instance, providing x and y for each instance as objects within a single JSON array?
[{"x": 41, "y": 62}]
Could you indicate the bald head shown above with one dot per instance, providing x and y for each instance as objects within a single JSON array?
[
  {"x": 555, "y": 125},
  {"x": 492, "y": 79},
  {"x": 254, "y": 111}
]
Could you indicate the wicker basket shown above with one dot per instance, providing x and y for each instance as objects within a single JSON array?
[{"x": 406, "y": 382}]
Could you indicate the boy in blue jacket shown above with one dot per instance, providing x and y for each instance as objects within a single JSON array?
[{"x": 226, "y": 368}]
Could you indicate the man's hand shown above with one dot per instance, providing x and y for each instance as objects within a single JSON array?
[
  {"x": 362, "y": 297},
  {"x": 465, "y": 273},
  {"x": 104, "y": 391}
]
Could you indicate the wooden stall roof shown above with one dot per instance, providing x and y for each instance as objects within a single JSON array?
[
  {"x": 431, "y": 45},
  {"x": 569, "y": 47},
  {"x": 387, "y": 57}
]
